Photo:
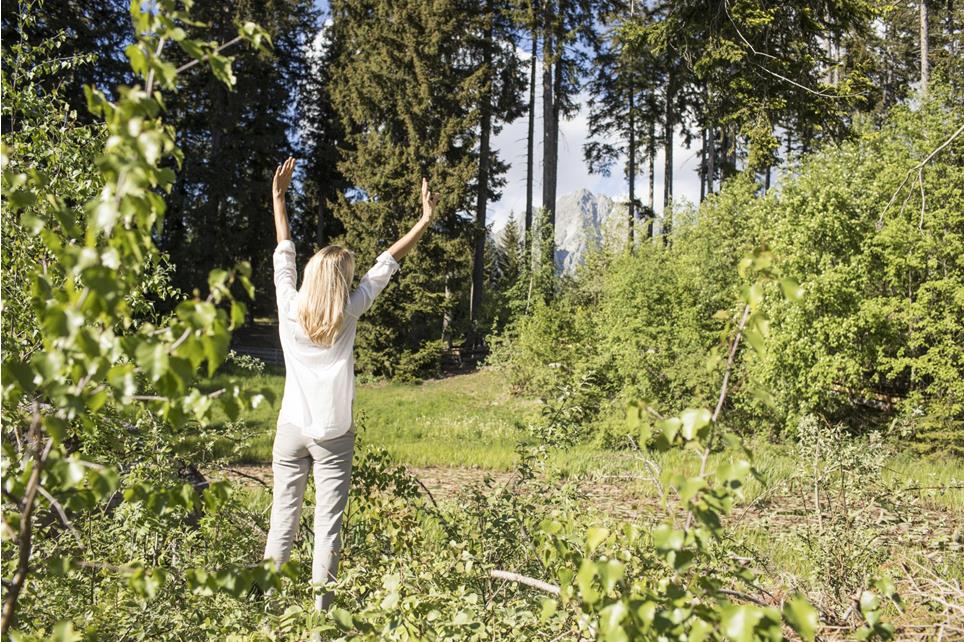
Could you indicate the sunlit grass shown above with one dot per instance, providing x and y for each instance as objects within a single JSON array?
[{"x": 472, "y": 421}]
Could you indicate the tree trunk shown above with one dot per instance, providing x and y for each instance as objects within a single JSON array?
[
  {"x": 551, "y": 73},
  {"x": 710, "y": 159},
  {"x": 482, "y": 191},
  {"x": 632, "y": 168},
  {"x": 651, "y": 149},
  {"x": 530, "y": 151},
  {"x": 447, "y": 315},
  {"x": 320, "y": 231},
  {"x": 668, "y": 153},
  {"x": 703, "y": 166},
  {"x": 924, "y": 49},
  {"x": 546, "y": 119}
]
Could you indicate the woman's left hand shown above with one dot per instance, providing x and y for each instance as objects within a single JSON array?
[
  {"x": 282, "y": 178},
  {"x": 429, "y": 201}
]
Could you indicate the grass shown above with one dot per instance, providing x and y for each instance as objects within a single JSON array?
[
  {"x": 471, "y": 421},
  {"x": 465, "y": 421}
]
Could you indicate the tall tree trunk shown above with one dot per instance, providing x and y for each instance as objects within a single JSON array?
[
  {"x": 482, "y": 192},
  {"x": 546, "y": 118},
  {"x": 530, "y": 150},
  {"x": 651, "y": 149},
  {"x": 703, "y": 165},
  {"x": 632, "y": 167},
  {"x": 710, "y": 159},
  {"x": 320, "y": 230},
  {"x": 924, "y": 48},
  {"x": 766, "y": 182},
  {"x": 551, "y": 71},
  {"x": 447, "y": 315},
  {"x": 670, "y": 121}
]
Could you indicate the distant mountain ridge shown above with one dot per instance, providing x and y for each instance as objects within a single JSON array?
[{"x": 583, "y": 221}]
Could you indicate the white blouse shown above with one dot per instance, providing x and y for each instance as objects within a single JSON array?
[{"x": 320, "y": 381}]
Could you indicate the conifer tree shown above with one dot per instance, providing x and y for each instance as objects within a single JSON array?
[
  {"x": 502, "y": 82},
  {"x": 322, "y": 137},
  {"x": 568, "y": 32},
  {"x": 623, "y": 102},
  {"x": 408, "y": 98},
  {"x": 219, "y": 208}
]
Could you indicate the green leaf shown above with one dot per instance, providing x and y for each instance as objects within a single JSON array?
[
  {"x": 802, "y": 617},
  {"x": 738, "y": 621},
  {"x": 688, "y": 487},
  {"x": 869, "y": 602},
  {"x": 152, "y": 358},
  {"x": 667, "y": 538},
  {"x": 584, "y": 580},
  {"x": 610, "y": 619},
  {"x": 693, "y": 420},
  {"x": 596, "y": 536}
]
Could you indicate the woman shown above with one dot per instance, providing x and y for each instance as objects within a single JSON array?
[{"x": 315, "y": 428}]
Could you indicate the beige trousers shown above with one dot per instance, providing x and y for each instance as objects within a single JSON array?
[{"x": 330, "y": 461}]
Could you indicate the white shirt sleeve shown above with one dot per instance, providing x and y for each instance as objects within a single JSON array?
[
  {"x": 372, "y": 284},
  {"x": 285, "y": 275}
]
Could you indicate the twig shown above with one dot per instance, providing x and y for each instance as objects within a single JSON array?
[
  {"x": 730, "y": 358},
  {"x": 724, "y": 387},
  {"x": 742, "y": 596},
  {"x": 25, "y": 535},
  {"x": 431, "y": 498},
  {"x": 917, "y": 168},
  {"x": 190, "y": 64},
  {"x": 248, "y": 476},
  {"x": 62, "y": 514},
  {"x": 522, "y": 579}
]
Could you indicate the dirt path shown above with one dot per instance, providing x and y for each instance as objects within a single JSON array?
[
  {"x": 614, "y": 497},
  {"x": 781, "y": 507}
]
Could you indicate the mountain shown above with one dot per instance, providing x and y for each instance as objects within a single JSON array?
[{"x": 583, "y": 221}]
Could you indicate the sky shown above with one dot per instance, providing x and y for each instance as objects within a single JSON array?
[{"x": 573, "y": 175}]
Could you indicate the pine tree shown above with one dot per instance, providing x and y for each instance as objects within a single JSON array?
[
  {"x": 219, "y": 209},
  {"x": 500, "y": 102},
  {"x": 568, "y": 32},
  {"x": 322, "y": 137},
  {"x": 408, "y": 98},
  {"x": 98, "y": 29},
  {"x": 622, "y": 104},
  {"x": 762, "y": 65}
]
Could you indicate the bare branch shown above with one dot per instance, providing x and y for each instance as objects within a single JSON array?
[
  {"x": 190, "y": 64},
  {"x": 522, "y": 579},
  {"x": 919, "y": 168},
  {"x": 25, "y": 535}
]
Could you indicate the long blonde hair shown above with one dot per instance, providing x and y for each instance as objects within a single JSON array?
[{"x": 324, "y": 291}]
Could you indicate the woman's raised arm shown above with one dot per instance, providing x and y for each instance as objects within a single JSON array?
[
  {"x": 282, "y": 179},
  {"x": 405, "y": 244}
]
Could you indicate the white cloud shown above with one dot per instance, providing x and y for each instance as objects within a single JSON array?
[{"x": 573, "y": 174}]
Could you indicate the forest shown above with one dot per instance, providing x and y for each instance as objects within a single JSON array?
[{"x": 739, "y": 416}]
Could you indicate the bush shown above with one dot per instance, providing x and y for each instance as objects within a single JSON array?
[{"x": 878, "y": 343}]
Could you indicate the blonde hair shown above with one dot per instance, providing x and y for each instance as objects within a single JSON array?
[{"x": 324, "y": 291}]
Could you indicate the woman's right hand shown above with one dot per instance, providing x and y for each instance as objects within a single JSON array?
[{"x": 282, "y": 178}]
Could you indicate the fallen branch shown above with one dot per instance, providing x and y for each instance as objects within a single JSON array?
[
  {"x": 248, "y": 476},
  {"x": 522, "y": 579}
]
